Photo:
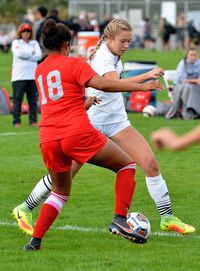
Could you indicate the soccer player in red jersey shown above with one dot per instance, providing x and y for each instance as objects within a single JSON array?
[{"x": 66, "y": 133}]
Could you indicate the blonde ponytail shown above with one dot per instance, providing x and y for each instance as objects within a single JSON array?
[{"x": 97, "y": 47}]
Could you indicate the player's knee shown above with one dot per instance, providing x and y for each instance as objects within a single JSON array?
[{"x": 151, "y": 167}]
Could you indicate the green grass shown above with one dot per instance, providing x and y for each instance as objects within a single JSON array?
[
  {"x": 91, "y": 206},
  {"x": 168, "y": 60}
]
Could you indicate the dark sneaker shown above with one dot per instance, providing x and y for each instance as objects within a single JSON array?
[
  {"x": 34, "y": 244},
  {"x": 120, "y": 226}
]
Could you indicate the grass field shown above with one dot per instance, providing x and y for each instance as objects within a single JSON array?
[{"x": 79, "y": 239}]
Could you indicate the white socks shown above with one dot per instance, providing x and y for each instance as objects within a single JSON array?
[
  {"x": 40, "y": 192},
  {"x": 158, "y": 190}
]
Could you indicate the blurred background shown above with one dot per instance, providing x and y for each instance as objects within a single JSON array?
[{"x": 147, "y": 17}]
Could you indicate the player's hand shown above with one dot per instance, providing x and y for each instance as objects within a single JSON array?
[
  {"x": 192, "y": 81},
  {"x": 91, "y": 100},
  {"x": 153, "y": 84},
  {"x": 155, "y": 73},
  {"x": 164, "y": 137}
]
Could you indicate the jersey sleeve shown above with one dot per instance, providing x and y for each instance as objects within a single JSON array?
[
  {"x": 82, "y": 71},
  {"x": 103, "y": 64}
]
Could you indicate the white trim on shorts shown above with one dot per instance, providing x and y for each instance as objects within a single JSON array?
[{"x": 112, "y": 129}]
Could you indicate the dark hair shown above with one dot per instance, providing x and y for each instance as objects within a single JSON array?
[
  {"x": 53, "y": 12},
  {"x": 55, "y": 34},
  {"x": 185, "y": 58},
  {"x": 189, "y": 50},
  {"x": 43, "y": 11}
]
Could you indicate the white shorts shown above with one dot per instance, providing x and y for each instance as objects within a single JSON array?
[{"x": 112, "y": 129}]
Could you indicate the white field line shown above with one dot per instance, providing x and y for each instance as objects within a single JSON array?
[
  {"x": 15, "y": 133},
  {"x": 98, "y": 230},
  {"x": 27, "y": 133},
  {"x": 141, "y": 128}
]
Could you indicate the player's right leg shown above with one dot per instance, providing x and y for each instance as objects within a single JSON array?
[
  {"x": 23, "y": 212},
  {"x": 131, "y": 141},
  {"x": 113, "y": 157}
]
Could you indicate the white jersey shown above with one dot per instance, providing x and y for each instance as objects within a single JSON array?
[
  {"x": 25, "y": 57},
  {"x": 111, "y": 109}
]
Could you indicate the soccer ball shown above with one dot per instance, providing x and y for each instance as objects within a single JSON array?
[
  {"x": 149, "y": 111},
  {"x": 139, "y": 223}
]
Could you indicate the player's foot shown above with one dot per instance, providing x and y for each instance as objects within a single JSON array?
[
  {"x": 172, "y": 223},
  {"x": 119, "y": 226},
  {"x": 17, "y": 125},
  {"x": 34, "y": 124},
  {"x": 24, "y": 219},
  {"x": 33, "y": 244}
]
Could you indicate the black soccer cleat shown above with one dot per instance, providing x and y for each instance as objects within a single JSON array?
[
  {"x": 119, "y": 226},
  {"x": 34, "y": 244}
]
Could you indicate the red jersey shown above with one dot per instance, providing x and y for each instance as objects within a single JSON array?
[{"x": 60, "y": 81}]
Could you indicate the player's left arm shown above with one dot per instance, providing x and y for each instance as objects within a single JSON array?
[{"x": 152, "y": 74}]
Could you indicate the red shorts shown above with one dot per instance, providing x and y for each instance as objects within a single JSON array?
[{"x": 58, "y": 154}]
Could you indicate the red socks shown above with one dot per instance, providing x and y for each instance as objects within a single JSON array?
[
  {"x": 48, "y": 213},
  {"x": 124, "y": 189}
]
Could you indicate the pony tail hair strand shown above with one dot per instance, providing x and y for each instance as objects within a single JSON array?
[{"x": 97, "y": 47}]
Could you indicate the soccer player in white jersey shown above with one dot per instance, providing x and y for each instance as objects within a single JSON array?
[{"x": 110, "y": 118}]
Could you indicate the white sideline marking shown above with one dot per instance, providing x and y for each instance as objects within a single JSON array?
[
  {"x": 15, "y": 133},
  {"x": 85, "y": 229}
]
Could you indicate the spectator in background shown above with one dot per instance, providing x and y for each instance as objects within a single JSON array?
[
  {"x": 84, "y": 23},
  {"x": 4, "y": 43},
  {"x": 93, "y": 21},
  {"x": 26, "y": 53},
  {"x": 193, "y": 34},
  {"x": 189, "y": 67},
  {"x": 165, "y": 31},
  {"x": 148, "y": 40},
  {"x": 54, "y": 14},
  {"x": 180, "y": 31},
  {"x": 107, "y": 19},
  {"x": 74, "y": 26},
  {"x": 186, "y": 94},
  {"x": 40, "y": 16}
]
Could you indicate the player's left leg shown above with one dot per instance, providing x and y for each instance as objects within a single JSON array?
[
  {"x": 23, "y": 212},
  {"x": 51, "y": 208}
]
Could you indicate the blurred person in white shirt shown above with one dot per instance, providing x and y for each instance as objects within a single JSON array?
[{"x": 26, "y": 53}]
